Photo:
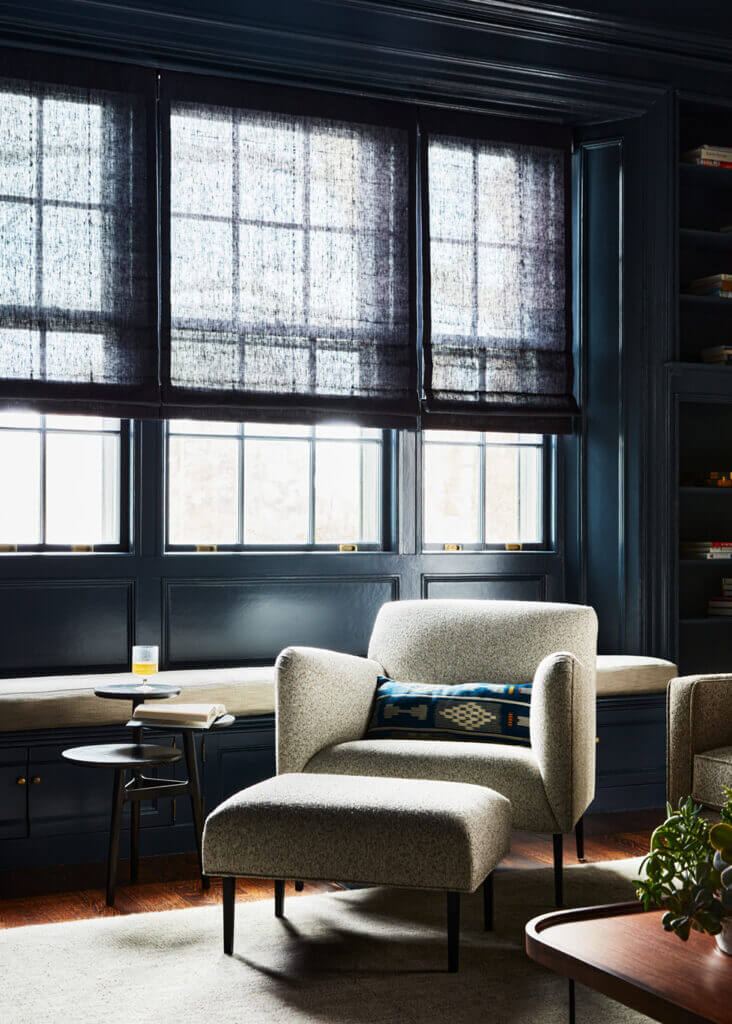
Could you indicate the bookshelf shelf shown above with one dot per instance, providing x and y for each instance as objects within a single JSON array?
[
  {"x": 710, "y": 620},
  {"x": 698, "y": 174},
  {"x": 688, "y": 489},
  {"x": 704, "y": 239},
  {"x": 704, "y": 302},
  {"x": 722, "y": 562}
]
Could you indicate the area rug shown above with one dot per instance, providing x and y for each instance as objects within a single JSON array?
[{"x": 365, "y": 956}]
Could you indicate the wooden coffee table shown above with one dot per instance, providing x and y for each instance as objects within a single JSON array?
[{"x": 623, "y": 952}]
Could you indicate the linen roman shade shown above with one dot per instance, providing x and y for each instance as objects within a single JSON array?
[
  {"x": 77, "y": 225},
  {"x": 290, "y": 242},
  {"x": 497, "y": 349}
]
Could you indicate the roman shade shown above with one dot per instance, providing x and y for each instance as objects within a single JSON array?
[
  {"x": 77, "y": 223},
  {"x": 290, "y": 238},
  {"x": 497, "y": 349}
]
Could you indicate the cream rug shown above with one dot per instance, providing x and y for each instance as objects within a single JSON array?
[{"x": 366, "y": 956}]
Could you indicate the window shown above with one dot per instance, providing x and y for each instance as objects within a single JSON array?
[
  {"x": 63, "y": 480},
  {"x": 273, "y": 486},
  {"x": 483, "y": 490}
]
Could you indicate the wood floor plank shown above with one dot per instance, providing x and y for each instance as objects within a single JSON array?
[{"x": 76, "y": 892}]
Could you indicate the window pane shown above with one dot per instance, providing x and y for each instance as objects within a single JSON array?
[
  {"x": 203, "y": 499},
  {"x": 20, "y": 471},
  {"x": 513, "y": 495},
  {"x": 82, "y": 488},
  {"x": 199, "y": 427},
  {"x": 346, "y": 492},
  {"x": 451, "y": 493},
  {"x": 276, "y": 430},
  {"x": 276, "y": 492},
  {"x": 20, "y": 419},
  {"x": 81, "y": 423}
]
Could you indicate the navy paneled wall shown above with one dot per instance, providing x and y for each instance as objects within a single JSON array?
[{"x": 612, "y": 77}]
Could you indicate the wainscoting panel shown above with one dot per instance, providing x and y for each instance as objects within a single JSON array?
[
  {"x": 57, "y": 625},
  {"x": 497, "y": 588},
  {"x": 240, "y": 621}
]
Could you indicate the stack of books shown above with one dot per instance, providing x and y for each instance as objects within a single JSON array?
[
  {"x": 201, "y": 716},
  {"x": 722, "y": 605},
  {"x": 718, "y": 285},
  {"x": 710, "y": 549},
  {"x": 719, "y": 354},
  {"x": 709, "y": 156}
]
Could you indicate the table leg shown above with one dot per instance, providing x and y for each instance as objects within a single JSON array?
[
  {"x": 134, "y": 837},
  {"x": 189, "y": 745},
  {"x": 118, "y": 801},
  {"x": 571, "y": 1001}
]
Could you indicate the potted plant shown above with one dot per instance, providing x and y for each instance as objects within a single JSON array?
[{"x": 688, "y": 872}]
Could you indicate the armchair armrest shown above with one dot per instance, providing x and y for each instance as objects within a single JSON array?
[
  {"x": 322, "y": 698},
  {"x": 562, "y": 727},
  {"x": 698, "y": 718}
]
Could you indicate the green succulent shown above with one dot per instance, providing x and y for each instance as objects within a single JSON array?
[{"x": 681, "y": 875}]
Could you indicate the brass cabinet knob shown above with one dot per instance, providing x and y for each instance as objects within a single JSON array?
[
  {"x": 36, "y": 779},
  {"x": 21, "y": 781}
]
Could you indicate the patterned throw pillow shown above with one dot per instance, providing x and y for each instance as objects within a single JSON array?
[{"x": 496, "y": 712}]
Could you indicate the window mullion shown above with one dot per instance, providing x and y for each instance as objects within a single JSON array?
[
  {"x": 242, "y": 458},
  {"x": 42, "y": 509},
  {"x": 482, "y": 495},
  {"x": 311, "y": 504}
]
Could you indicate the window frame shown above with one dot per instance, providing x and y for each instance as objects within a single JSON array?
[
  {"x": 547, "y": 543},
  {"x": 386, "y": 498},
  {"x": 125, "y": 493}
]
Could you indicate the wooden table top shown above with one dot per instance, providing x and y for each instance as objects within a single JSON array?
[{"x": 623, "y": 952}]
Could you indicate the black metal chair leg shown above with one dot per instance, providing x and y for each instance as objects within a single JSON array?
[
  {"x": 571, "y": 1001},
  {"x": 453, "y": 931},
  {"x": 118, "y": 802},
  {"x": 558, "y": 886},
  {"x": 488, "y": 903},
  {"x": 189, "y": 747},
  {"x": 134, "y": 838},
  {"x": 299, "y": 885},
  {"x": 229, "y": 894},
  {"x": 279, "y": 894},
  {"x": 579, "y": 834}
]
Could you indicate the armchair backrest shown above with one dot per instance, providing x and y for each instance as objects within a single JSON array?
[{"x": 449, "y": 642}]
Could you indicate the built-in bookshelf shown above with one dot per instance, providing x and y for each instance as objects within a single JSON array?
[{"x": 702, "y": 403}]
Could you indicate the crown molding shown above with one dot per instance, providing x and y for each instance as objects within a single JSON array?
[{"x": 365, "y": 46}]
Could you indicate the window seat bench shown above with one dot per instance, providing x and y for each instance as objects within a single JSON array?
[{"x": 50, "y": 702}]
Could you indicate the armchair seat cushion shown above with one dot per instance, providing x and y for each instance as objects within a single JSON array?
[
  {"x": 712, "y": 771},
  {"x": 512, "y": 771}
]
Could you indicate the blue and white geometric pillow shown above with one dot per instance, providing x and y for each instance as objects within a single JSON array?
[{"x": 493, "y": 712}]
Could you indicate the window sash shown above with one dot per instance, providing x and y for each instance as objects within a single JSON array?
[
  {"x": 545, "y": 446},
  {"x": 43, "y": 430},
  {"x": 248, "y": 432}
]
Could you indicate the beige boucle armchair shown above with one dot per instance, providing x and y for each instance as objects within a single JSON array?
[
  {"x": 699, "y": 732},
  {"x": 324, "y": 701}
]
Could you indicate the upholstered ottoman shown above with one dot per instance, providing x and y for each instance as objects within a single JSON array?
[{"x": 348, "y": 828}]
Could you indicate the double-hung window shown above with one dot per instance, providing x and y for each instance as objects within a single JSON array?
[
  {"x": 64, "y": 481},
  {"x": 247, "y": 486},
  {"x": 484, "y": 490}
]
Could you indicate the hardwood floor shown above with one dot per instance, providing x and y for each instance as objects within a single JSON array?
[{"x": 45, "y": 895}]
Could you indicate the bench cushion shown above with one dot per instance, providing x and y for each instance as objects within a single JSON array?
[
  {"x": 425, "y": 835},
  {"x": 45, "y": 702},
  {"x": 622, "y": 674},
  {"x": 712, "y": 771}
]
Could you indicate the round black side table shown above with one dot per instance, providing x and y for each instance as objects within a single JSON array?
[
  {"x": 193, "y": 784},
  {"x": 124, "y": 757},
  {"x": 138, "y": 693}
]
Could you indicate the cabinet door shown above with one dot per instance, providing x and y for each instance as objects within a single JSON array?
[
  {"x": 14, "y": 794},
  {"x": 236, "y": 758}
]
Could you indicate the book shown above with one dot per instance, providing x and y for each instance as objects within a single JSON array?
[
  {"x": 203, "y": 715},
  {"x": 708, "y": 152},
  {"x": 717, "y": 354},
  {"x": 714, "y": 283}
]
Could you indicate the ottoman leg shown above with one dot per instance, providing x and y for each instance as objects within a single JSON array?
[
  {"x": 229, "y": 904},
  {"x": 488, "y": 903},
  {"x": 279, "y": 893},
  {"x": 453, "y": 930},
  {"x": 299, "y": 885}
]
